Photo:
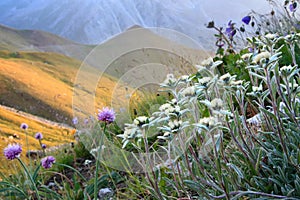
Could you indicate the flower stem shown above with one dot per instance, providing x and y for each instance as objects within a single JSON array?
[
  {"x": 97, "y": 162},
  {"x": 30, "y": 178}
]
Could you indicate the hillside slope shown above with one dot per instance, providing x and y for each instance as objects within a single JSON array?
[
  {"x": 40, "y": 41},
  {"x": 40, "y": 83}
]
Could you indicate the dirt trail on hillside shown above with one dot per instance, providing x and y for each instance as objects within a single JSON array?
[{"x": 36, "y": 118}]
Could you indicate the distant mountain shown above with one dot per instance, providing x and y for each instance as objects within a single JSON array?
[
  {"x": 40, "y": 41},
  {"x": 93, "y": 21}
]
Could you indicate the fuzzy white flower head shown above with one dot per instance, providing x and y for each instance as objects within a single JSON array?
[
  {"x": 164, "y": 107},
  {"x": 270, "y": 36},
  {"x": 207, "y": 62},
  {"x": 287, "y": 37},
  {"x": 260, "y": 56},
  {"x": 127, "y": 132},
  {"x": 226, "y": 77},
  {"x": 174, "y": 124},
  {"x": 167, "y": 134},
  {"x": 208, "y": 121},
  {"x": 177, "y": 108},
  {"x": 189, "y": 91},
  {"x": 168, "y": 108},
  {"x": 257, "y": 89},
  {"x": 216, "y": 103},
  {"x": 174, "y": 101},
  {"x": 286, "y": 70},
  {"x": 204, "y": 80},
  {"x": 140, "y": 120},
  {"x": 170, "y": 79},
  {"x": 246, "y": 56}
]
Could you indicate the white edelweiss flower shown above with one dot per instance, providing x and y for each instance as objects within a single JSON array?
[
  {"x": 189, "y": 91},
  {"x": 207, "y": 62},
  {"x": 216, "y": 103},
  {"x": 174, "y": 101},
  {"x": 226, "y": 77},
  {"x": 170, "y": 79},
  {"x": 164, "y": 107},
  {"x": 270, "y": 36},
  {"x": 261, "y": 56},
  {"x": 257, "y": 89},
  {"x": 177, "y": 108},
  {"x": 167, "y": 134},
  {"x": 246, "y": 56},
  {"x": 286, "y": 69},
  {"x": 208, "y": 121},
  {"x": 204, "y": 80},
  {"x": 287, "y": 37},
  {"x": 127, "y": 132},
  {"x": 175, "y": 124},
  {"x": 140, "y": 120}
]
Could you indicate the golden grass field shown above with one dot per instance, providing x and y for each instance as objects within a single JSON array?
[{"x": 10, "y": 132}]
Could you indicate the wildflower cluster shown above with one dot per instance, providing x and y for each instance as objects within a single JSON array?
[{"x": 234, "y": 124}]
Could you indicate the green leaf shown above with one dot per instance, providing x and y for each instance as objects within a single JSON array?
[{"x": 236, "y": 169}]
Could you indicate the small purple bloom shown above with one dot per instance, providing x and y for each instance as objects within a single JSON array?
[
  {"x": 38, "y": 136},
  {"x": 230, "y": 30},
  {"x": 44, "y": 146},
  {"x": 75, "y": 120},
  {"x": 86, "y": 121},
  {"x": 106, "y": 115},
  {"x": 246, "y": 19},
  {"x": 24, "y": 126},
  {"x": 293, "y": 7},
  {"x": 12, "y": 151},
  {"x": 47, "y": 162}
]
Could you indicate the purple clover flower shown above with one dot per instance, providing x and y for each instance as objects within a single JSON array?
[
  {"x": 106, "y": 115},
  {"x": 38, "y": 136},
  {"x": 44, "y": 146},
  {"x": 24, "y": 126},
  {"x": 47, "y": 162},
  {"x": 12, "y": 151},
  {"x": 246, "y": 19}
]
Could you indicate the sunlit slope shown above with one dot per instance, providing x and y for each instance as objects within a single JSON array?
[{"x": 41, "y": 84}]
